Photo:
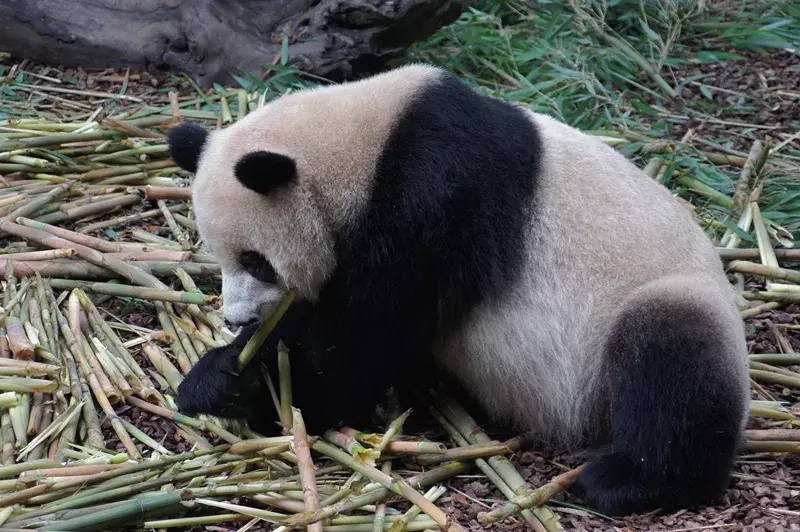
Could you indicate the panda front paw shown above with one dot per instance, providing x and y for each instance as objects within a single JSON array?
[{"x": 214, "y": 386}]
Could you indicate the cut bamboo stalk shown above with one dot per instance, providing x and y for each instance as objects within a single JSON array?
[
  {"x": 110, "y": 338},
  {"x": 39, "y": 202},
  {"x": 89, "y": 209},
  {"x": 133, "y": 274},
  {"x": 421, "y": 480},
  {"x": 396, "y": 485},
  {"x": 179, "y": 235},
  {"x": 750, "y": 170},
  {"x": 188, "y": 223},
  {"x": 770, "y": 272},
  {"x": 536, "y": 497},
  {"x": 16, "y": 299},
  {"x": 128, "y": 219},
  {"x": 306, "y": 468},
  {"x": 163, "y": 365},
  {"x": 18, "y": 341},
  {"x": 95, "y": 386},
  {"x": 356, "y": 450},
  {"x": 47, "y": 254},
  {"x": 167, "y": 193},
  {"x": 139, "y": 292},
  {"x": 260, "y": 335},
  {"x": 469, "y": 429}
]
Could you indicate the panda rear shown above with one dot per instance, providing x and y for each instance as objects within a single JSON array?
[{"x": 423, "y": 223}]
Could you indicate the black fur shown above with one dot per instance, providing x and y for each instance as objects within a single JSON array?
[
  {"x": 445, "y": 229},
  {"x": 186, "y": 141},
  {"x": 263, "y": 171},
  {"x": 674, "y": 416}
]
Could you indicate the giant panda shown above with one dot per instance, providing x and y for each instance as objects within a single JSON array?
[{"x": 423, "y": 225}]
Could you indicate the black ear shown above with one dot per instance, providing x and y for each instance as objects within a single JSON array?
[
  {"x": 263, "y": 171},
  {"x": 186, "y": 142}
]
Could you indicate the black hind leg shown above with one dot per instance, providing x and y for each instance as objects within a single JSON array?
[{"x": 677, "y": 405}]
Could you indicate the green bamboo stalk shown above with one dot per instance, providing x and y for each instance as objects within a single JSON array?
[
  {"x": 469, "y": 429},
  {"x": 89, "y": 209},
  {"x": 260, "y": 335},
  {"x": 285, "y": 385},
  {"x": 126, "y": 270},
  {"x": 110, "y": 338},
  {"x": 139, "y": 292},
  {"x": 39, "y": 202},
  {"x": 128, "y": 219},
  {"x": 786, "y": 359},
  {"x": 421, "y": 480},
  {"x": 396, "y": 485},
  {"x": 187, "y": 522},
  {"x": 305, "y": 467},
  {"x": 536, "y": 497},
  {"x": 401, "y": 524},
  {"x": 109, "y": 480},
  {"x": 118, "y": 516},
  {"x": 179, "y": 235}
]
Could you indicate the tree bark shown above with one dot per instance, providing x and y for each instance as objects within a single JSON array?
[{"x": 212, "y": 39}]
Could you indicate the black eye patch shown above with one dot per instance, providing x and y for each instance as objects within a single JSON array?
[{"x": 259, "y": 267}]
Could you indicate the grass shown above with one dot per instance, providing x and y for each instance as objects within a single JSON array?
[{"x": 564, "y": 58}]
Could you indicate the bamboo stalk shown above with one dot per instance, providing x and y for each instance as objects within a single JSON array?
[
  {"x": 163, "y": 365},
  {"x": 95, "y": 386},
  {"x": 16, "y": 299},
  {"x": 306, "y": 468},
  {"x": 188, "y": 223},
  {"x": 107, "y": 335},
  {"x": 773, "y": 435},
  {"x": 401, "y": 524},
  {"x": 396, "y": 485},
  {"x": 260, "y": 335},
  {"x": 179, "y": 235},
  {"x": 39, "y": 202},
  {"x": 167, "y": 193},
  {"x": 421, "y": 480},
  {"x": 115, "y": 517},
  {"x": 128, "y": 219},
  {"x": 771, "y": 272},
  {"x": 787, "y": 359},
  {"x": 536, "y": 497},
  {"x": 47, "y": 254},
  {"x": 750, "y": 169},
  {"x": 124, "y": 269},
  {"x": 356, "y": 450},
  {"x": 139, "y": 292},
  {"x": 90, "y": 209},
  {"x": 469, "y": 429}
]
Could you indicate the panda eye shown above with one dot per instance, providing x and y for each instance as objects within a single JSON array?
[{"x": 259, "y": 267}]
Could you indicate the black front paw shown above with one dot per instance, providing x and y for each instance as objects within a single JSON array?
[{"x": 214, "y": 386}]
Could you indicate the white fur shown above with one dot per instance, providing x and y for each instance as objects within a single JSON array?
[{"x": 544, "y": 342}]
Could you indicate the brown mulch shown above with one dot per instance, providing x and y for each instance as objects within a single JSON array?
[{"x": 757, "y": 96}]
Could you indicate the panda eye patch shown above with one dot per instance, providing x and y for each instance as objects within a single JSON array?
[{"x": 259, "y": 267}]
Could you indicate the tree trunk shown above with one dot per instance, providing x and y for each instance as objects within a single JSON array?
[{"x": 211, "y": 39}]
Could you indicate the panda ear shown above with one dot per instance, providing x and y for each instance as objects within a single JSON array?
[
  {"x": 186, "y": 142},
  {"x": 263, "y": 171}
]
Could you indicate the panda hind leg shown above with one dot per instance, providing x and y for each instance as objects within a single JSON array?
[{"x": 678, "y": 401}]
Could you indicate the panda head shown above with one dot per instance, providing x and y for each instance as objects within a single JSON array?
[
  {"x": 273, "y": 190},
  {"x": 254, "y": 213}
]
